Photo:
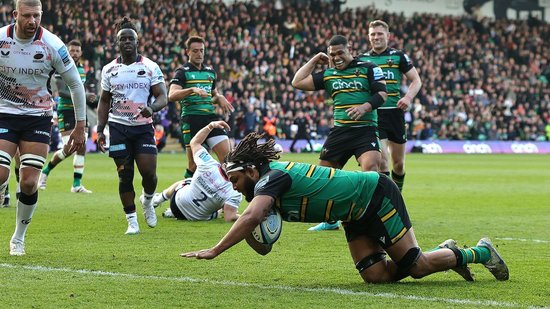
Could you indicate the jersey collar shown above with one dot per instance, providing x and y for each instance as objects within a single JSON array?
[
  {"x": 37, "y": 34},
  {"x": 138, "y": 59}
]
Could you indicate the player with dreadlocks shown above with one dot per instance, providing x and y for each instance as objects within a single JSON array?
[
  {"x": 128, "y": 84},
  {"x": 369, "y": 204}
]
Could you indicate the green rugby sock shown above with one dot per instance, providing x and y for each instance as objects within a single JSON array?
[
  {"x": 477, "y": 255},
  {"x": 398, "y": 179},
  {"x": 188, "y": 173},
  {"x": 48, "y": 168}
]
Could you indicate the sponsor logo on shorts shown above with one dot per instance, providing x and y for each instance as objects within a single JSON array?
[
  {"x": 42, "y": 133},
  {"x": 3, "y": 130},
  {"x": 149, "y": 145},
  {"x": 117, "y": 147}
]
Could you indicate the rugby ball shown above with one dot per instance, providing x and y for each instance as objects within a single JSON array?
[{"x": 269, "y": 230}]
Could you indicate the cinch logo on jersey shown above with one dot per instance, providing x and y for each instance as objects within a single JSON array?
[
  {"x": 149, "y": 145},
  {"x": 389, "y": 75},
  {"x": 207, "y": 88},
  {"x": 340, "y": 84}
]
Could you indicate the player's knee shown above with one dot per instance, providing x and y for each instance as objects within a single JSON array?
[
  {"x": 373, "y": 269},
  {"x": 149, "y": 174},
  {"x": 398, "y": 167},
  {"x": 125, "y": 178},
  {"x": 407, "y": 265},
  {"x": 370, "y": 166},
  {"x": 28, "y": 184}
]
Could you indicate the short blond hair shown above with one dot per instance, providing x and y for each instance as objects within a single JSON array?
[
  {"x": 31, "y": 3},
  {"x": 379, "y": 23}
]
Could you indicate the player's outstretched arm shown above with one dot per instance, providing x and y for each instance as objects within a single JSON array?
[{"x": 252, "y": 216}]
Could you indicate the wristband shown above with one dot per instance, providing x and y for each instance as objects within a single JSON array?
[{"x": 376, "y": 101}]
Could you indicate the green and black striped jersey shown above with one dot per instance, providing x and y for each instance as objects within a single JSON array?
[
  {"x": 66, "y": 103},
  {"x": 350, "y": 87},
  {"x": 394, "y": 63},
  {"x": 310, "y": 193},
  {"x": 190, "y": 76}
]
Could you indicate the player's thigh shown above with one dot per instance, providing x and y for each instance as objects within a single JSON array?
[
  {"x": 220, "y": 145},
  {"x": 403, "y": 245},
  {"x": 146, "y": 163},
  {"x": 330, "y": 164},
  {"x": 370, "y": 160}
]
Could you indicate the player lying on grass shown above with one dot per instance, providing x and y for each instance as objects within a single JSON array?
[
  {"x": 369, "y": 204},
  {"x": 199, "y": 198}
]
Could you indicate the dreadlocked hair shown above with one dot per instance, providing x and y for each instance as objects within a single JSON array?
[
  {"x": 125, "y": 23},
  {"x": 249, "y": 150}
]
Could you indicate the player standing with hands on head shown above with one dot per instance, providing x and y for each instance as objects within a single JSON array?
[
  {"x": 194, "y": 85},
  {"x": 128, "y": 83},
  {"x": 65, "y": 117},
  {"x": 30, "y": 55},
  {"x": 358, "y": 89},
  {"x": 391, "y": 121}
]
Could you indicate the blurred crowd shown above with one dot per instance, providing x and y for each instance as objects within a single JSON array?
[{"x": 482, "y": 79}]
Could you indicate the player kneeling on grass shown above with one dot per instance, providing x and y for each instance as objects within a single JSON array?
[
  {"x": 369, "y": 204},
  {"x": 199, "y": 198}
]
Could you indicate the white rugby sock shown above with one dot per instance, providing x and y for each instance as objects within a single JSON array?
[{"x": 23, "y": 218}]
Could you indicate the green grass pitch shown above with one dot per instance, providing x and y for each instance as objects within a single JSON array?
[{"x": 78, "y": 255}]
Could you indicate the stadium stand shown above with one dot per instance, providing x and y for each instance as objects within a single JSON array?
[{"x": 482, "y": 79}]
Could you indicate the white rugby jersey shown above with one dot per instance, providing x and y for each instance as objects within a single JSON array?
[
  {"x": 208, "y": 191},
  {"x": 26, "y": 68},
  {"x": 130, "y": 87}
]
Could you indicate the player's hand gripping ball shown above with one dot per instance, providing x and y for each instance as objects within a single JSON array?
[{"x": 269, "y": 230}]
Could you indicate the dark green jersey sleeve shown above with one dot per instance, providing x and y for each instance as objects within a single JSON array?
[
  {"x": 405, "y": 64},
  {"x": 318, "y": 80},
  {"x": 179, "y": 78},
  {"x": 274, "y": 183}
]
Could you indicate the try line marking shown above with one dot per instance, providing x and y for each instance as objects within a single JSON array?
[{"x": 453, "y": 301}]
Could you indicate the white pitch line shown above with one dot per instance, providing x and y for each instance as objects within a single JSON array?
[
  {"x": 266, "y": 287},
  {"x": 524, "y": 240}
]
